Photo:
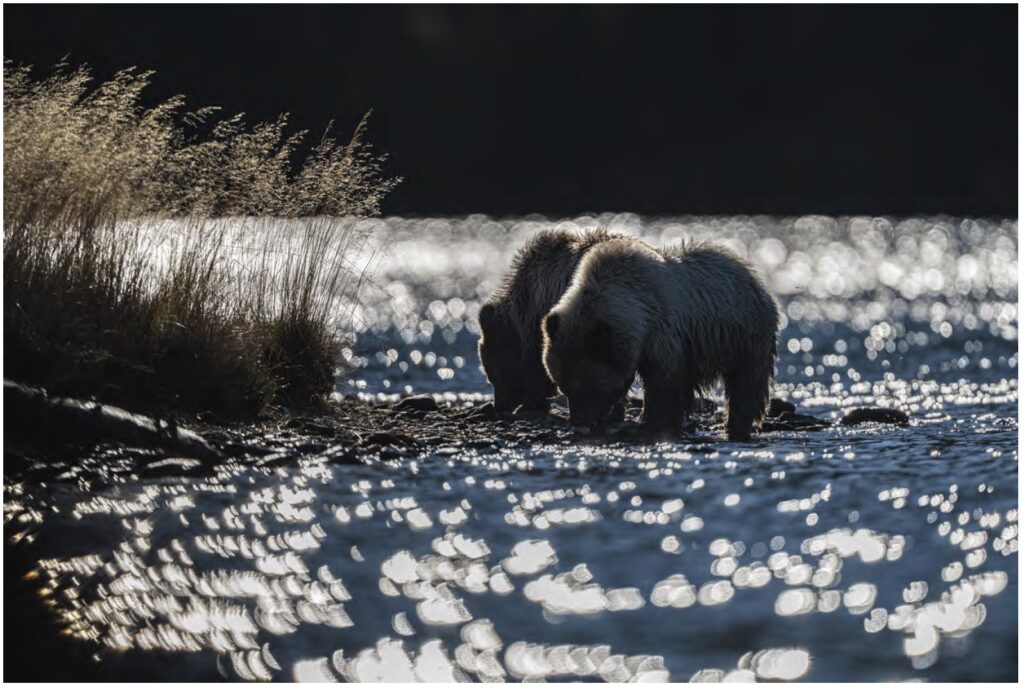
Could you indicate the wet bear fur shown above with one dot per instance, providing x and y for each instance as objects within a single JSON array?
[
  {"x": 510, "y": 321},
  {"x": 684, "y": 319}
]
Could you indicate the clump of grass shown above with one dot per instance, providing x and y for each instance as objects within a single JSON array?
[{"x": 121, "y": 278}]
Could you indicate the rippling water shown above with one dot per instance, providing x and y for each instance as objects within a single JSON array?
[{"x": 866, "y": 553}]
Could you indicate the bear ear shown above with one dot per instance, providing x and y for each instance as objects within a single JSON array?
[
  {"x": 551, "y": 323},
  {"x": 488, "y": 316},
  {"x": 600, "y": 342}
]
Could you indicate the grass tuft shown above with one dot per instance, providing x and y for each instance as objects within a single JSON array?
[{"x": 123, "y": 279}]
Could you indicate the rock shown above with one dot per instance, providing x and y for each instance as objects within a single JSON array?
[
  {"x": 309, "y": 426},
  {"x": 482, "y": 412},
  {"x": 32, "y": 414},
  {"x": 347, "y": 437},
  {"x": 788, "y": 421},
  {"x": 173, "y": 467},
  {"x": 776, "y": 407},
  {"x": 419, "y": 402},
  {"x": 874, "y": 414}
]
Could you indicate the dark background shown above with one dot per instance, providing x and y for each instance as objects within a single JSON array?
[{"x": 562, "y": 110}]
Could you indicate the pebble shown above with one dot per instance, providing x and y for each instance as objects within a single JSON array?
[{"x": 419, "y": 402}]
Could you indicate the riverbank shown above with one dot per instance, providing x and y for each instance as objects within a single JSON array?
[
  {"x": 433, "y": 519},
  {"x": 344, "y": 431}
]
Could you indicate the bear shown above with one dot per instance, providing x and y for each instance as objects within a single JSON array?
[
  {"x": 510, "y": 321},
  {"x": 681, "y": 318}
]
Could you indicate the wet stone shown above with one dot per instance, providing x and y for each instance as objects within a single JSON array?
[
  {"x": 308, "y": 426},
  {"x": 794, "y": 422},
  {"x": 347, "y": 437},
  {"x": 479, "y": 412},
  {"x": 173, "y": 467},
  {"x": 420, "y": 402},
  {"x": 776, "y": 407},
  {"x": 875, "y": 415}
]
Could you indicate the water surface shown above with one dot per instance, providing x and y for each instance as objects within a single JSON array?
[{"x": 865, "y": 553}]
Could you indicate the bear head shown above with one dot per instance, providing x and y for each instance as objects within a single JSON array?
[
  {"x": 501, "y": 356},
  {"x": 587, "y": 364}
]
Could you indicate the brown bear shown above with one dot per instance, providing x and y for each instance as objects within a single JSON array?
[
  {"x": 682, "y": 318},
  {"x": 510, "y": 322}
]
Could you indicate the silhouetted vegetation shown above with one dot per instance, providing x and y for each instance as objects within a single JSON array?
[{"x": 127, "y": 274}]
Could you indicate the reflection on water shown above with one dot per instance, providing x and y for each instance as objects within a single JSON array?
[{"x": 858, "y": 553}]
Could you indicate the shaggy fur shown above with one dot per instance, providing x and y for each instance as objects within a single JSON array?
[
  {"x": 682, "y": 318},
  {"x": 510, "y": 322}
]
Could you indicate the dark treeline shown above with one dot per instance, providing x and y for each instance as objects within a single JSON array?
[{"x": 658, "y": 110}]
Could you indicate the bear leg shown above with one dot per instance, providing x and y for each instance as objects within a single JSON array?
[
  {"x": 747, "y": 398},
  {"x": 534, "y": 402},
  {"x": 618, "y": 412},
  {"x": 665, "y": 407},
  {"x": 507, "y": 400},
  {"x": 537, "y": 386}
]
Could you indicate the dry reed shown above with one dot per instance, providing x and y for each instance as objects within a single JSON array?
[{"x": 105, "y": 296}]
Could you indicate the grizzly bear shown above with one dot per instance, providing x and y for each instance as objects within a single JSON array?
[
  {"x": 682, "y": 318},
  {"x": 510, "y": 322}
]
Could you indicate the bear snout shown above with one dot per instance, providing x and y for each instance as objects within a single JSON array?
[{"x": 589, "y": 413}]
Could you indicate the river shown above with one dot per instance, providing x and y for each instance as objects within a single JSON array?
[{"x": 869, "y": 553}]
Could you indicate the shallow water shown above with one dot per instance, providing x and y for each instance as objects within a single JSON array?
[{"x": 865, "y": 553}]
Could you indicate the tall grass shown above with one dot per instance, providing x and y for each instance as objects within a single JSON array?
[{"x": 123, "y": 280}]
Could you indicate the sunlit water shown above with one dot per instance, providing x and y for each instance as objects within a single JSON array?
[{"x": 865, "y": 553}]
